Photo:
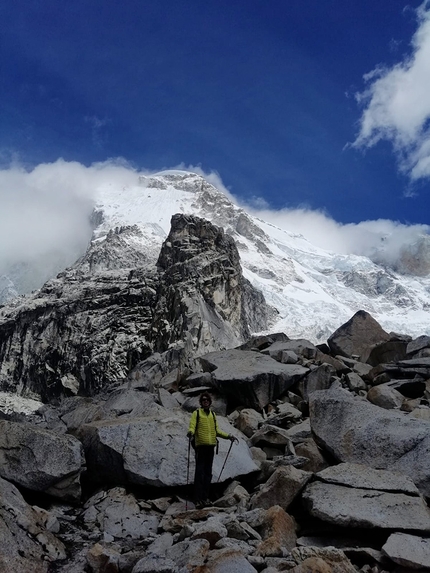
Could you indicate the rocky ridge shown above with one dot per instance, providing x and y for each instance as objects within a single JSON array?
[{"x": 97, "y": 320}]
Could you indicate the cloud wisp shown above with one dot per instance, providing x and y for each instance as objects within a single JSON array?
[
  {"x": 397, "y": 105},
  {"x": 45, "y": 216}
]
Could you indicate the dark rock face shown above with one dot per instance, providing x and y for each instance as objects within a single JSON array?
[
  {"x": 356, "y": 337},
  {"x": 96, "y": 321},
  {"x": 203, "y": 293},
  {"x": 76, "y": 334}
]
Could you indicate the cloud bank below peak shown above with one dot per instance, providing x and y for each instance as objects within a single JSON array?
[{"x": 397, "y": 105}]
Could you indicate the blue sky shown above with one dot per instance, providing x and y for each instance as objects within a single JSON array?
[{"x": 262, "y": 92}]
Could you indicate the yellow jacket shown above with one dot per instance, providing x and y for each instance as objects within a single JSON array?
[{"x": 207, "y": 428}]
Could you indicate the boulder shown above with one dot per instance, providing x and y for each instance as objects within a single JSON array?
[
  {"x": 320, "y": 560},
  {"x": 281, "y": 488},
  {"x": 234, "y": 495},
  {"x": 408, "y": 550},
  {"x": 285, "y": 415},
  {"x": 281, "y": 350},
  {"x": 250, "y": 378},
  {"x": 269, "y": 435},
  {"x": 155, "y": 564},
  {"x": 418, "y": 344},
  {"x": 41, "y": 460},
  {"x": 278, "y": 531},
  {"x": 357, "y": 336},
  {"x": 385, "y": 396},
  {"x": 190, "y": 554},
  {"x": 386, "y": 351},
  {"x": 358, "y": 507},
  {"x": 25, "y": 543},
  {"x": 318, "y": 379},
  {"x": 353, "y": 430},
  {"x": 300, "y": 432},
  {"x": 355, "y": 382},
  {"x": 309, "y": 449},
  {"x": 153, "y": 450},
  {"x": 118, "y": 514},
  {"x": 248, "y": 420},
  {"x": 228, "y": 561},
  {"x": 103, "y": 557},
  {"x": 353, "y": 475},
  {"x": 211, "y": 530}
]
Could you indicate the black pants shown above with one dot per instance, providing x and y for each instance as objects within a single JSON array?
[{"x": 203, "y": 473}]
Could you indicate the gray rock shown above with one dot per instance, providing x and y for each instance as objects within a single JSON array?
[
  {"x": 385, "y": 396},
  {"x": 228, "y": 561},
  {"x": 318, "y": 559},
  {"x": 386, "y": 351},
  {"x": 353, "y": 430},
  {"x": 269, "y": 435},
  {"x": 356, "y": 507},
  {"x": 248, "y": 420},
  {"x": 25, "y": 543},
  {"x": 300, "y": 432},
  {"x": 318, "y": 379},
  {"x": 355, "y": 382},
  {"x": 161, "y": 544},
  {"x": 41, "y": 460},
  {"x": 299, "y": 346},
  {"x": 279, "y": 533},
  {"x": 119, "y": 515},
  {"x": 234, "y": 495},
  {"x": 103, "y": 557},
  {"x": 154, "y": 564},
  {"x": 418, "y": 344},
  {"x": 235, "y": 544},
  {"x": 250, "y": 378},
  {"x": 167, "y": 400},
  {"x": 190, "y": 554},
  {"x": 354, "y": 475},
  {"x": 212, "y": 530},
  {"x": 408, "y": 550},
  {"x": 315, "y": 460},
  {"x": 356, "y": 336},
  {"x": 153, "y": 450},
  {"x": 281, "y": 488},
  {"x": 421, "y": 413}
]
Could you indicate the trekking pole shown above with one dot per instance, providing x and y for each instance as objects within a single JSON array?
[
  {"x": 188, "y": 471},
  {"x": 225, "y": 461}
]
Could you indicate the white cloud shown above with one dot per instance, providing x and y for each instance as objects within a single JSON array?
[
  {"x": 381, "y": 240},
  {"x": 397, "y": 104},
  {"x": 45, "y": 214}
]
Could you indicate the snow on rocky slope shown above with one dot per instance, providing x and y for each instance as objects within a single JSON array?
[{"x": 314, "y": 291}]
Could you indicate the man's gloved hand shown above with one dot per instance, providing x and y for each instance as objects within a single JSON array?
[
  {"x": 232, "y": 438},
  {"x": 190, "y": 435}
]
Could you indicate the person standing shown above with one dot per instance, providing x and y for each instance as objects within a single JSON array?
[{"x": 204, "y": 429}]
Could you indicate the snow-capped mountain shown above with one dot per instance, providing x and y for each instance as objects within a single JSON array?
[{"x": 313, "y": 291}]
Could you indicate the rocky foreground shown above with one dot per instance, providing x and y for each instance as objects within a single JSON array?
[{"x": 331, "y": 473}]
